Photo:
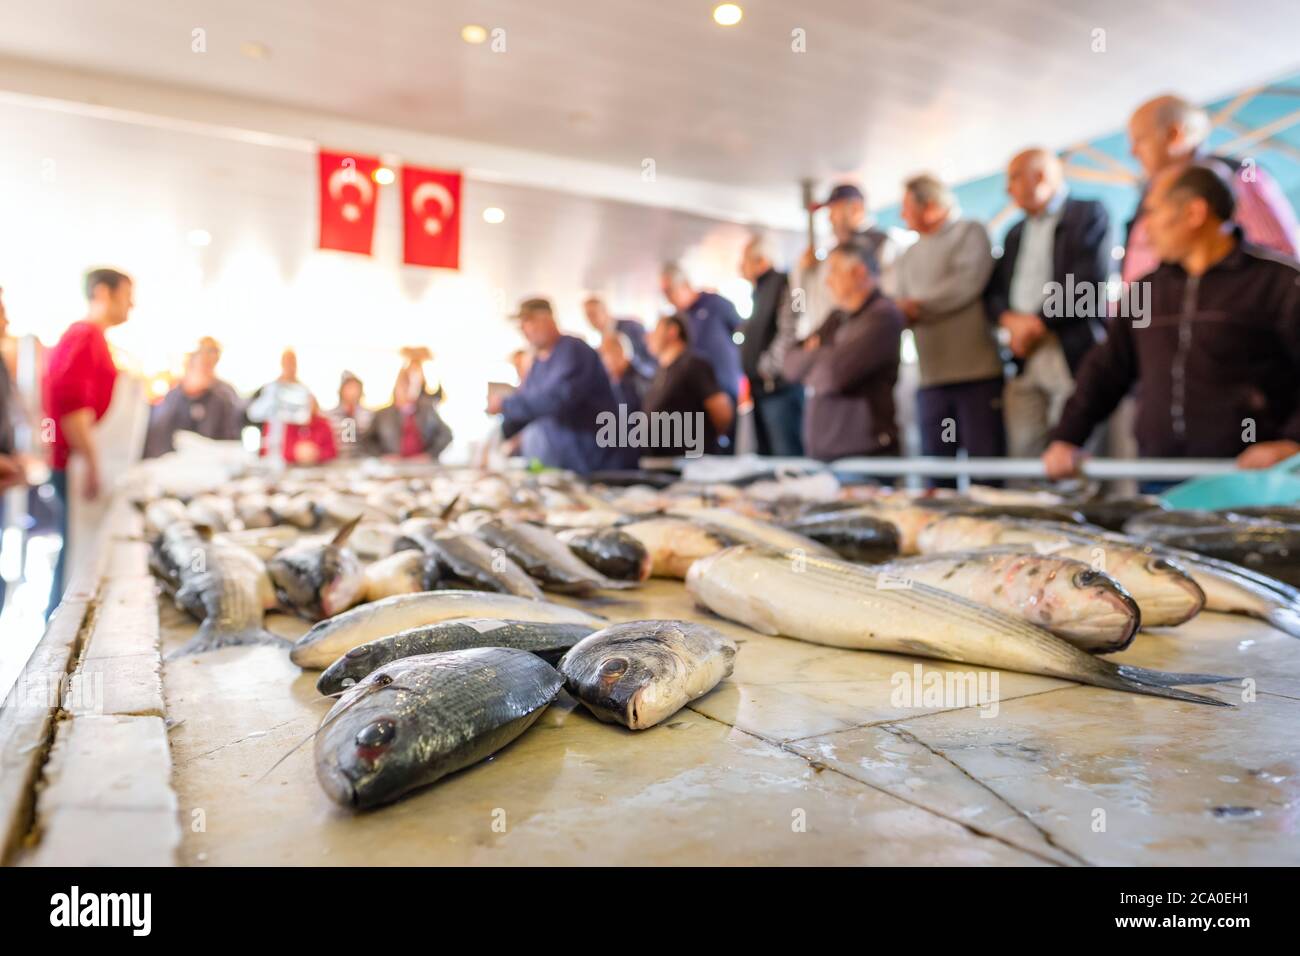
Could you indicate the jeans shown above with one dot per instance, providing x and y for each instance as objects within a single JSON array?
[
  {"x": 778, "y": 421},
  {"x": 59, "y": 482}
]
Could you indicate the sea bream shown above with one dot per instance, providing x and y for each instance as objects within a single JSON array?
[
  {"x": 845, "y": 605},
  {"x": 221, "y": 584},
  {"x": 1089, "y": 609},
  {"x": 419, "y": 719},
  {"x": 405, "y": 572},
  {"x": 1164, "y": 591},
  {"x": 545, "y": 557},
  {"x": 640, "y": 673},
  {"x": 328, "y": 640},
  {"x": 318, "y": 579},
  {"x": 469, "y": 559},
  {"x": 547, "y": 641}
]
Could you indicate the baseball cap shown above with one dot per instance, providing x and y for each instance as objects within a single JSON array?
[
  {"x": 533, "y": 305},
  {"x": 842, "y": 191}
]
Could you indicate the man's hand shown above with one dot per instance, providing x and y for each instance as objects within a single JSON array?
[
  {"x": 812, "y": 343},
  {"x": 1062, "y": 460},
  {"x": 911, "y": 308},
  {"x": 1026, "y": 331},
  {"x": 1265, "y": 454},
  {"x": 494, "y": 404},
  {"x": 12, "y": 473}
]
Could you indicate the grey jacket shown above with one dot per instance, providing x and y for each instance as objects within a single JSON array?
[{"x": 947, "y": 272}]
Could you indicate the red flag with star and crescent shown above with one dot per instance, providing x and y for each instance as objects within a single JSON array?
[
  {"x": 431, "y": 217},
  {"x": 347, "y": 201}
]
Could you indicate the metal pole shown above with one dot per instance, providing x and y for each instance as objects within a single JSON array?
[{"x": 1108, "y": 468}]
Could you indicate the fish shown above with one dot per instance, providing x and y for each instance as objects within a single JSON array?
[
  {"x": 981, "y": 509},
  {"x": 909, "y": 520},
  {"x": 839, "y": 604},
  {"x": 1088, "y": 608},
  {"x": 162, "y": 513},
  {"x": 611, "y": 551},
  {"x": 547, "y": 641},
  {"x": 222, "y": 585},
  {"x": 418, "y": 533},
  {"x": 853, "y": 537},
  {"x": 327, "y": 640},
  {"x": 299, "y": 510},
  {"x": 374, "y": 540},
  {"x": 1166, "y": 594},
  {"x": 748, "y": 530},
  {"x": 674, "y": 544},
  {"x": 254, "y": 511},
  {"x": 266, "y": 543},
  {"x": 318, "y": 579},
  {"x": 405, "y": 572},
  {"x": 639, "y": 673},
  {"x": 1268, "y": 549},
  {"x": 469, "y": 559},
  {"x": 418, "y": 719},
  {"x": 540, "y": 553},
  {"x": 1113, "y": 513}
]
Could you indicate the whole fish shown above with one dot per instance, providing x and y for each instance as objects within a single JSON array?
[
  {"x": 318, "y": 579},
  {"x": 674, "y": 544},
  {"x": 846, "y": 605},
  {"x": 1089, "y": 609},
  {"x": 326, "y": 641},
  {"x": 909, "y": 520},
  {"x": 405, "y": 572},
  {"x": 611, "y": 551},
  {"x": 1165, "y": 592},
  {"x": 222, "y": 585},
  {"x": 748, "y": 530},
  {"x": 545, "y": 557},
  {"x": 547, "y": 641},
  {"x": 1268, "y": 549},
  {"x": 641, "y": 672},
  {"x": 469, "y": 559},
  {"x": 1113, "y": 513},
  {"x": 420, "y": 718},
  {"x": 853, "y": 537}
]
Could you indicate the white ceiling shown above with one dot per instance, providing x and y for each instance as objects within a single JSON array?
[{"x": 885, "y": 87}]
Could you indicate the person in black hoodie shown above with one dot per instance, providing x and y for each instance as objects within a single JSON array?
[{"x": 778, "y": 403}]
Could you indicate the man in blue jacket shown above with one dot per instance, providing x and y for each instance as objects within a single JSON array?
[{"x": 565, "y": 391}]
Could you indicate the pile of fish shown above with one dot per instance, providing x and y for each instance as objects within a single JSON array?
[{"x": 432, "y": 626}]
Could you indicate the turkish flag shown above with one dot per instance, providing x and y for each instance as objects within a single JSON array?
[
  {"x": 347, "y": 201},
  {"x": 431, "y": 217}
]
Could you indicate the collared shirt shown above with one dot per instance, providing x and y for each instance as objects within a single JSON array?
[{"x": 1033, "y": 268}]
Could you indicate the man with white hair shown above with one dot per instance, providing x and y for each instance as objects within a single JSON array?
[
  {"x": 1060, "y": 242},
  {"x": 1169, "y": 131},
  {"x": 778, "y": 403},
  {"x": 941, "y": 279},
  {"x": 711, "y": 323}
]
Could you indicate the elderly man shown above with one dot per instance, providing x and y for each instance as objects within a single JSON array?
[
  {"x": 778, "y": 403},
  {"x": 1216, "y": 368},
  {"x": 1168, "y": 131},
  {"x": 711, "y": 321},
  {"x": 850, "y": 365},
  {"x": 565, "y": 391},
  {"x": 1060, "y": 241},
  {"x": 623, "y": 349},
  {"x": 199, "y": 403},
  {"x": 941, "y": 279}
]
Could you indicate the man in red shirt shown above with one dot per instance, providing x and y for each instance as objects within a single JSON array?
[{"x": 78, "y": 386}]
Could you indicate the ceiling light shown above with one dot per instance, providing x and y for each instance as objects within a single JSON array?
[
  {"x": 727, "y": 14},
  {"x": 383, "y": 175},
  {"x": 473, "y": 33},
  {"x": 494, "y": 215},
  {"x": 254, "y": 50},
  {"x": 199, "y": 237}
]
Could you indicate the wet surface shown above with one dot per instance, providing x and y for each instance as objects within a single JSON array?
[{"x": 807, "y": 754}]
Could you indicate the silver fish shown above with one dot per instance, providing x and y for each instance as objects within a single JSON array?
[
  {"x": 1165, "y": 592},
  {"x": 845, "y": 605},
  {"x": 326, "y": 641},
  {"x": 545, "y": 557},
  {"x": 487, "y": 568},
  {"x": 641, "y": 672},
  {"x": 1089, "y": 609},
  {"x": 318, "y": 579},
  {"x": 419, "y": 719},
  {"x": 747, "y": 530},
  {"x": 405, "y": 572},
  {"x": 547, "y": 641}
]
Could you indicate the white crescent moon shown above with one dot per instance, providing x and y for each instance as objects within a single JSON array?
[
  {"x": 438, "y": 193},
  {"x": 348, "y": 176}
]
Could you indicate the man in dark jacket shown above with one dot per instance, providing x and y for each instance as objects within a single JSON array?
[
  {"x": 1060, "y": 242},
  {"x": 778, "y": 404},
  {"x": 850, "y": 365},
  {"x": 1216, "y": 359},
  {"x": 409, "y": 427}
]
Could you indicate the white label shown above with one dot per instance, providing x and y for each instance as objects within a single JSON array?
[{"x": 483, "y": 625}]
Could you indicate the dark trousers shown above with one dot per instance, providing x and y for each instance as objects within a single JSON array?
[
  {"x": 59, "y": 482},
  {"x": 965, "y": 415},
  {"x": 778, "y": 422}
]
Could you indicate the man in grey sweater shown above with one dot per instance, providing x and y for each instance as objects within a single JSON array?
[{"x": 941, "y": 280}]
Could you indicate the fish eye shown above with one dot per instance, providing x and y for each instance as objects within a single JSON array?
[
  {"x": 382, "y": 680},
  {"x": 358, "y": 652},
  {"x": 1158, "y": 564},
  {"x": 613, "y": 668},
  {"x": 1086, "y": 578},
  {"x": 379, "y": 734}
]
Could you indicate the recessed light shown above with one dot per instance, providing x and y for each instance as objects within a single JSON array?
[
  {"x": 494, "y": 215},
  {"x": 199, "y": 237},
  {"x": 727, "y": 14},
  {"x": 383, "y": 175},
  {"x": 473, "y": 33},
  {"x": 254, "y": 50}
]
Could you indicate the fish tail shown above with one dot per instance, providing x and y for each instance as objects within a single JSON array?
[
  {"x": 1285, "y": 618},
  {"x": 209, "y": 638},
  {"x": 1123, "y": 678},
  {"x": 1169, "y": 678}
]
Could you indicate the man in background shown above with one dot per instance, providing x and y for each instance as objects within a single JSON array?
[
  {"x": 78, "y": 387},
  {"x": 685, "y": 386},
  {"x": 566, "y": 388},
  {"x": 1059, "y": 240},
  {"x": 711, "y": 322},
  {"x": 199, "y": 403},
  {"x": 941, "y": 279},
  {"x": 1167, "y": 132},
  {"x": 849, "y": 366},
  {"x": 349, "y": 418},
  {"x": 778, "y": 403},
  {"x": 639, "y": 358}
]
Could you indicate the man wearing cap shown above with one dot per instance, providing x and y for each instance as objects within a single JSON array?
[
  {"x": 564, "y": 392},
  {"x": 846, "y": 207}
]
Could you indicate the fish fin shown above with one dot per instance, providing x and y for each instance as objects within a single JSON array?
[
  {"x": 204, "y": 531},
  {"x": 613, "y": 584},
  {"x": 341, "y": 536},
  {"x": 1120, "y": 681},
  {"x": 209, "y": 638},
  {"x": 446, "y": 512},
  {"x": 1169, "y": 678},
  {"x": 1285, "y": 618}
]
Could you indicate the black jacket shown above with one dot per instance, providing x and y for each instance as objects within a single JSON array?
[
  {"x": 1080, "y": 251},
  {"x": 385, "y": 435},
  {"x": 770, "y": 292}
]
